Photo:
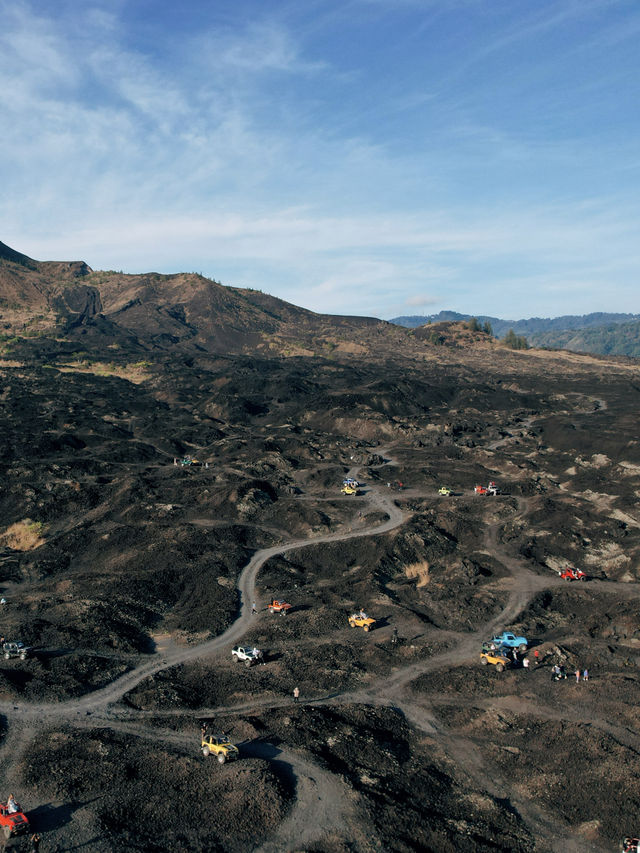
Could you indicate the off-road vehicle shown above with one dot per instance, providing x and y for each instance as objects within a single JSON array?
[
  {"x": 499, "y": 661},
  {"x": 570, "y": 574},
  {"x": 220, "y": 746},
  {"x": 247, "y": 654},
  {"x": 14, "y": 822},
  {"x": 15, "y": 650},
  {"x": 510, "y": 641},
  {"x": 361, "y": 620},
  {"x": 279, "y": 606}
]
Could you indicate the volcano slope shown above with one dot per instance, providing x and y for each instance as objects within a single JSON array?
[{"x": 132, "y": 576}]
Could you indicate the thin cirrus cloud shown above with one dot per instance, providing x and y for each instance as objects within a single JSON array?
[{"x": 324, "y": 155}]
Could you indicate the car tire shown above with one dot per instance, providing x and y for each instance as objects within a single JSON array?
[
  {"x": 7, "y": 655},
  {"x": 522, "y": 648},
  {"x": 352, "y": 624},
  {"x": 7, "y": 831},
  {"x": 221, "y": 758},
  {"x": 499, "y": 667},
  {"x": 206, "y": 751},
  {"x": 366, "y": 627},
  {"x": 483, "y": 661},
  {"x": 247, "y": 663}
]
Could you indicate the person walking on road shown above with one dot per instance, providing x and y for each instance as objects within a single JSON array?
[
  {"x": 296, "y": 694},
  {"x": 254, "y": 609}
]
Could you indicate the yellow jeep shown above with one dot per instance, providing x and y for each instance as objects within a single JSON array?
[
  {"x": 361, "y": 620},
  {"x": 499, "y": 661},
  {"x": 220, "y": 746},
  {"x": 348, "y": 489}
]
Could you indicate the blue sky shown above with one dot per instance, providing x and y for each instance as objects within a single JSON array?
[{"x": 373, "y": 157}]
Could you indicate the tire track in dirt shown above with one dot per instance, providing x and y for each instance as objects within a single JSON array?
[{"x": 321, "y": 797}]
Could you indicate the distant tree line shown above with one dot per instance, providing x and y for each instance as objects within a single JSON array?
[
  {"x": 475, "y": 326},
  {"x": 514, "y": 341}
]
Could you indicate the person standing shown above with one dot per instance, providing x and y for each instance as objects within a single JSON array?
[
  {"x": 585, "y": 675},
  {"x": 35, "y": 842},
  {"x": 254, "y": 609},
  {"x": 536, "y": 656},
  {"x": 577, "y": 676},
  {"x": 525, "y": 663},
  {"x": 296, "y": 694}
]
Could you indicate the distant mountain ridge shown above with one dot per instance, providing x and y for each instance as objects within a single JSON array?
[{"x": 599, "y": 332}]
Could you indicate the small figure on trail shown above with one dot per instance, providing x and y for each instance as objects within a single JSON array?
[
  {"x": 203, "y": 731},
  {"x": 585, "y": 675},
  {"x": 536, "y": 655},
  {"x": 12, "y": 806},
  {"x": 35, "y": 842},
  {"x": 394, "y": 637},
  {"x": 254, "y": 609},
  {"x": 514, "y": 655},
  {"x": 577, "y": 676},
  {"x": 525, "y": 663},
  {"x": 562, "y": 671},
  {"x": 296, "y": 694}
]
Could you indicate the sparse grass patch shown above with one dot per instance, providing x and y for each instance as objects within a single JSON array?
[
  {"x": 24, "y": 535},
  {"x": 136, "y": 373}
]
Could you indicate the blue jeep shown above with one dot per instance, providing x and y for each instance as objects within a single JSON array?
[{"x": 510, "y": 641}]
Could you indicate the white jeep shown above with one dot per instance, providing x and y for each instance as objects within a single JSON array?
[{"x": 248, "y": 655}]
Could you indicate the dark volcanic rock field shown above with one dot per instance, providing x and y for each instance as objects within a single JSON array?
[{"x": 123, "y": 570}]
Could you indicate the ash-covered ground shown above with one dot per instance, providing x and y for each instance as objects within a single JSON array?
[{"x": 122, "y": 569}]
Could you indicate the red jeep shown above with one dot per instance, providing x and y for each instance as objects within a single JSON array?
[
  {"x": 13, "y": 822},
  {"x": 570, "y": 574}
]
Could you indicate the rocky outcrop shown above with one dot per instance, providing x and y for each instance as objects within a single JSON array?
[{"x": 77, "y": 306}]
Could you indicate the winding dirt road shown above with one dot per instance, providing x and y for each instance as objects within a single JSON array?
[{"x": 321, "y": 798}]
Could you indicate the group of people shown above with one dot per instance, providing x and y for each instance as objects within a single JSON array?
[{"x": 558, "y": 672}]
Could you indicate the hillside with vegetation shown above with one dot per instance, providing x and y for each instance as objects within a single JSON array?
[{"x": 600, "y": 333}]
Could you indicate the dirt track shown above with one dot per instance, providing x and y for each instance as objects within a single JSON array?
[{"x": 321, "y": 799}]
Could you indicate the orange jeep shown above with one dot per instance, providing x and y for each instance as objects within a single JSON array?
[{"x": 279, "y": 606}]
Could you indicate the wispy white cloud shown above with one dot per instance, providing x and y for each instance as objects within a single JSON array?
[
  {"x": 245, "y": 152},
  {"x": 421, "y": 301}
]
